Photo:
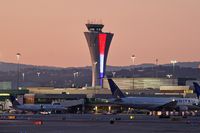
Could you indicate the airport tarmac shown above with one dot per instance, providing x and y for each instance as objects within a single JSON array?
[{"x": 99, "y": 124}]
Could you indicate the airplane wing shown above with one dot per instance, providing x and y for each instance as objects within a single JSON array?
[
  {"x": 71, "y": 103},
  {"x": 168, "y": 106},
  {"x": 193, "y": 107}
]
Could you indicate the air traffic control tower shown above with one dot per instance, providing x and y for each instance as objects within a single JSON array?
[{"x": 98, "y": 43}]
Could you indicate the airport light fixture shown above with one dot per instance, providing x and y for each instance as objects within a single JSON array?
[
  {"x": 4, "y": 94},
  {"x": 156, "y": 67},
  {"x": 173, "y": 62},
  {"x": 156, "y": 61},
  {"x": 23, "y": 76},
  {"x": 94, "y": 73},
  {"x": 109, "y": 109},
  {"x": 169, "y": 76},
  {"x": 133, "y": 61},
  {"x": 75, "y": 74},
  {"x": 173, "y": 65},
  {"x": 38, "y": 74},
  {"x": 113, "y": 73},
  {"x": 96, "y": 109},
  {"x": 18, "y": 55}
]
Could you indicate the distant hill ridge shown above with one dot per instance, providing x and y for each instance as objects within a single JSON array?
[{"x": 4, "y": 66}]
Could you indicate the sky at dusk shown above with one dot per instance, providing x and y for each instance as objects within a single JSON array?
[{"x": 50, "y": 32}]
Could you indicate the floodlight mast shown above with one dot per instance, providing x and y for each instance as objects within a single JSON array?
[{"x": 18, "y": 55}]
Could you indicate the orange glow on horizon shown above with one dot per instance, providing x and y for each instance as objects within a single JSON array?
[{"x": 49, "y": 32}]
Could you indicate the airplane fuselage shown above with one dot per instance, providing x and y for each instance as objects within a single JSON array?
[
  {"x": 150, "y": 103},
  {"x": 40, "y": 107}
]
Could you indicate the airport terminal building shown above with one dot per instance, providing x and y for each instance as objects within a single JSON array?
[{"x": 141, "y": 83}]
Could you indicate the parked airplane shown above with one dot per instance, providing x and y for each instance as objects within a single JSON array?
[
  {"x": 38, "y": 107},
  {"x": 154, "y": 103}
]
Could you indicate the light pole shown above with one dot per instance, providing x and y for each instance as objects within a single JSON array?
[
  {"x": 173, "y": 65},
  {"x": 18, "y": 55},
  {"x": 156, "y": 67},
  {"x": 23, "y": 76},
  {"x": 169, "y": 76},
  {"x": 74, "y": 80},
  {"x": 38, "y": 74},
  {"x": 93, "y": 75},
  {"x": 38, "y": 77},
  {"x": 133, "y": 61},
  {"x": 65, "y": 85},
  {"x": 75, "y": 75},
  {"x": 113, "y": 73}
]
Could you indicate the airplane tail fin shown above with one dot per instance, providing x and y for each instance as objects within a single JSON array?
[
  {"x": 197, "y": 89},
  {"x": 14, "y": 101},
  {"x": 116, "y": 92}
]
